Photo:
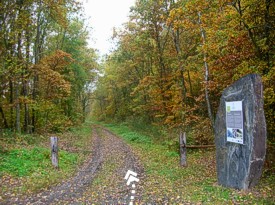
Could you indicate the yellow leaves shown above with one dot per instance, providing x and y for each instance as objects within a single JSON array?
[
  {"x": 58, "y": 61},
  {"x": 175, "y": 14},
  {"x": 169, "y": 119},
  {"x": 58, "y": 11},
  {"x": 178, "y": 19},
  {"x": 147, "y": 80},
  {"x": 269, "y": 100},
  {"x": 159, "y": 116},
  {"x": 157, "y": 72},
  {"x": 25, "y": 100}
]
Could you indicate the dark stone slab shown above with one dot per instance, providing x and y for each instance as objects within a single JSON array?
[{"x": 240, "y": 165}]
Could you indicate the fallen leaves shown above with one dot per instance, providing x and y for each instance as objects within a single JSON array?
[{"x": 163, "y": 182}]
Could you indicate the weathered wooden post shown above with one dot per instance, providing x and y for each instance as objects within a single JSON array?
[
  {"x": 54, "y": 151},
  {"x": 183, "y": 149}
]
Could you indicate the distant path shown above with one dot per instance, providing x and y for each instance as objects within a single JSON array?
[{"x": 99, "y": 181}]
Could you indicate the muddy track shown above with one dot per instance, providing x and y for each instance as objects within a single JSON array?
[{"x": 99, "y": 181}]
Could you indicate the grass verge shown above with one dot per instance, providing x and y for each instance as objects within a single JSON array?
[{"x": 25, "y": 163}]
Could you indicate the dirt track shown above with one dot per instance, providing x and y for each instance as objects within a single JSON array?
[{"x": 99, "y": 181}]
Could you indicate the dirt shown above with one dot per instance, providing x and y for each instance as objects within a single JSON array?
[{"x": 99, "y": 181}]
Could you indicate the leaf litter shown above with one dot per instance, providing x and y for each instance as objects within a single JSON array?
[
  {"x": 99, "y": 181},
  {"x": 162, "y": 181}
]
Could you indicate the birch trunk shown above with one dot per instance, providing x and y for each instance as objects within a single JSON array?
[{"x": 206, "y": 75}]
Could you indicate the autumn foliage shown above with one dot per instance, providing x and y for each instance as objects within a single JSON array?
[
  {"x": 174, "y": 58},
  {"x": 45, "y": 65}
]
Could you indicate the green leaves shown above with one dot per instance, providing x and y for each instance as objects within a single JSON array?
[
  {"x": 158, "y": 71},
  {"x": 44, "y": 61}
]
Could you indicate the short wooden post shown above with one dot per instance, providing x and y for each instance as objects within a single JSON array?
[
  {"x": 54, "y": 149},
  {"x": 182, "y": 149}
]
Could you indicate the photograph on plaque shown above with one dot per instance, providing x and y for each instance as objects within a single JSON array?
[{"x": 234, "y": 121}]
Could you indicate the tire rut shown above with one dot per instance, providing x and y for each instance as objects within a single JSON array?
[{"x": 107, "y": 149}]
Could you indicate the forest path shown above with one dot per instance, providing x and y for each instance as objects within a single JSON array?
[{"x": 100, "y": 180}]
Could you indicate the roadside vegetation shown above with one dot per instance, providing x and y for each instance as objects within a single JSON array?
[
  {"x": 25, "y": 166},
  {"x": 196, "y": 183},
  {"x": 25, "y": 161},
  {"x": 171, "y": 62}
]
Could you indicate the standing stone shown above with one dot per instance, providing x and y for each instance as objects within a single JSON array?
[{"x": 240, "y": 165}]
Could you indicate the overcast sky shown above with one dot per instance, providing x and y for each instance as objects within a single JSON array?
[{"x": 104, "y": 16}]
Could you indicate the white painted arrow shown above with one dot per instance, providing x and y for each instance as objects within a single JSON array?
[
  {"x": 131, "y": 177},
  {"x": 129, "y": 172}
]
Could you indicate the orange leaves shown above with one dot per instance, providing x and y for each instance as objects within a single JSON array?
[
  {"x": 175, "y": 18},
  {"x": 169, "y": 119},
  {"x": 50, "y": 71},
  {"x": 58, "y": 11},
  {"x": 58, "y": 61},
  {"x": 158, "y": 72}
]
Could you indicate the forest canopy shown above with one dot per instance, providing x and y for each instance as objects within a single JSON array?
[
  {"x": 46, "y": 66},
  {"x": 174, "y": 59}
]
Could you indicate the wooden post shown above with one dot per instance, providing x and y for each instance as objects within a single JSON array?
[
  {"x": 54, "y": 149},
  {"x": 183, "y": 149}
]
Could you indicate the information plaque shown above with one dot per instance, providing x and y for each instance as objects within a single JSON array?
[{"x": 234, "y": 121}]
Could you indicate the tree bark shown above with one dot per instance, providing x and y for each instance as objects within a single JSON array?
[
  {"x": 206, "y": 75},
  {"x": 190, "y": 83},
  {"x": 6, "y": 126},
  {"x": 37, "y": 50},
  {"x": 17, "y": 122},
  {"x": 25, "y": 85},
  {"x": 11, "y": 103},
  {"x": 176, "y": 36}
]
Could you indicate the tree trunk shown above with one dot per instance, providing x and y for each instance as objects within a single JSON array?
[
  {"x": 267, "y": 29},
  {"x": 36, "y": 60},
  {"x": 11, "y": 103},
  {"x": 25, "y": 85},
  {"x": 17, "y": 122},
  {"x": 190, "y": 83},
  {"x": 6, "y": 126},
  {"x": 181, "y": 68},
  {"x": 84, "y": 106},
  {"x": 26, "y": 106},
  {"x": 206, "y": 75},
  {"x": 19, "y": 70}
]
